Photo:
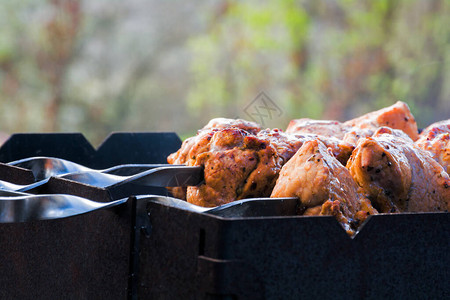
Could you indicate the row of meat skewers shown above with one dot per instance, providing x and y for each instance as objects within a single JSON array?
[{"x": 377, "y": 163}]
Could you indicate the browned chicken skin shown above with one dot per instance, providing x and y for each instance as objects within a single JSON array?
[
  {"x": 238, "y": 164},
  {"x": 181, "y": 156},
  {"x": 323, "y": 185},
  {"x": 397, "y": 176},
  {"x": 436, "y": 139},
  {"x": 200, "y": 143}
]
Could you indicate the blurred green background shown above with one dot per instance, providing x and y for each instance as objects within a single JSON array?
[{"x": 100, "y": 66}]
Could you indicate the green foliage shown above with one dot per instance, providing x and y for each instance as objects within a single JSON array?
[
  {"x": 327, "y": 59},
  {"x": 251, "y": 47}
]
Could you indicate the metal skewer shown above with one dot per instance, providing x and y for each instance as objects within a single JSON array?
[
  {"x": 45, "y": 167},
  {"x": 158, "y": 177}
]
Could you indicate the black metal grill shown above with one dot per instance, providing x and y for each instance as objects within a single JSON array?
[
  {"x": 81, "y": 257},
  {"x": 146, "y": 250}
]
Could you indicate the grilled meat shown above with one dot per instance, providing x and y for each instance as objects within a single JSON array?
[
  {"x": 397, "y": 116},
  {"x": 181, "y": 156},
  {"x": 436, "y": 139},
  {"x": 193, "y": 145},
  {"x": 323, "y": 185},
  {"x": 387, "y": 171},
  {"x": 328, "y": 128},
  {"x": 340, "y": 149},
  {"x": 239, "y": 164},
  {"x": 397, "y": 176}
]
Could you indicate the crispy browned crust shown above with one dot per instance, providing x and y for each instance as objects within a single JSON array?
[
  {"x": 182, "y": 155},
  {"x": 236, "y": 165}
]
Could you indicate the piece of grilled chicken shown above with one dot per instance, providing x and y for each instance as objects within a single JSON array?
[
  {"x": 200, "y": 143},
  {"x": 323, "y": 185},
  {"x": 398, "y": 176},
  {"x": 239, "y": 164},
  {"x": 397, "y": 116},
  {"x": 436, "y": 139},
  {"x": 182, "y": 155},
  {"x": 236, "y": 165}
]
